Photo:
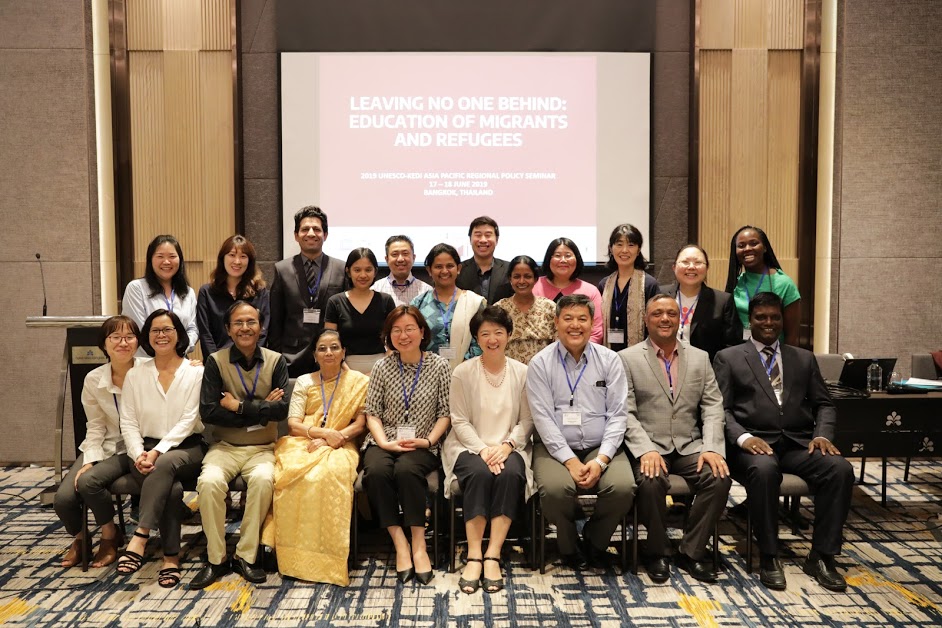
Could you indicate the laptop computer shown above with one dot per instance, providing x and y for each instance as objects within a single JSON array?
[{"x": 854, "y": 373}]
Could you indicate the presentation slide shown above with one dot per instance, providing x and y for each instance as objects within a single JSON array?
[{"x": 549, "y": 145}]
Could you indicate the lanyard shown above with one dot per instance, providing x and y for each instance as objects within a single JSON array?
[
  {"x": 407, "y": 399},
  {"x": 169, "y": 302},
  {"x": 328, "y": 402},
  {"x": 116, "y": 408},
  {"x": 317, "y": 284},
  {"x": 771, "y": 364},
  {"x": 401, "y": 286},
  {"x": 447, "y": 314},
  {"x": 258, "y": 370},
  {"x": 683, "y": 320},
  {"x": 572, "y": 387},
  {"x": 670, "y": 378},
  {"x": 758, "y": 285},
  {"x": 621, "y": 299}
]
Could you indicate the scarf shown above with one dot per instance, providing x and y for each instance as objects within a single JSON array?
[{"x": 634, "y": 306}]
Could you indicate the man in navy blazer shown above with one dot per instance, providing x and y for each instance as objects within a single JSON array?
[
  {"x": 299, "y": 294},
  {"x": 780, "y": 418}
]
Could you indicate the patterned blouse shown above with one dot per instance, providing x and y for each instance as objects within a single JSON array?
[
  {"x": 429, "y": 399},
  {"x": 533, "y": 329}
]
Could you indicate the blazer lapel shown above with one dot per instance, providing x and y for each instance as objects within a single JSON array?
[
  {"x": 752, "y": 358},
  {"x": 789, "y": 369},
  {"x": 681, "y": 370},
  {"x": 657, "y": 367},
  {"x": 705, "y": 303},
  {"x": 302, "y": 279}
]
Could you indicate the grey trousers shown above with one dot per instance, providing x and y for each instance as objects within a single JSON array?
[
  {"x": 93, "y": 488},
  {"x": 615, "y": 490}
]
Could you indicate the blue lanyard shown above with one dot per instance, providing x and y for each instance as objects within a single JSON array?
[
  {"x": 407, "y": 399},
  {"x": 683, "y": 321},
  {"x": 771, "y": 364},
  {"x": 572, "y": 387},
  {"x": 258, "y": 370},
  {"x": 447, "y": 314},
  {"x": 313, "y": 290},
  {"x": 621, "y": 304},
  {"x": 328, "y": 402},
  {"x": 401, "y": 286},
  {"x": 170, "y": 302},
  {"x": 758, "y": 285},
  {"x": 670, "y": 378}
]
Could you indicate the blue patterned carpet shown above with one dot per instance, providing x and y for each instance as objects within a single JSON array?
[{"x": 892, "y": 560}]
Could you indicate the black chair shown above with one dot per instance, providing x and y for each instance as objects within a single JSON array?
[{"x": 793, "y": 488}]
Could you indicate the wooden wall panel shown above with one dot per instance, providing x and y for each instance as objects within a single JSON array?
[
  {"x": 145, "y": 24},
  {"x": 750, "y": 24},
  {"x": 748, "y": 160},
  {"x": 216, "y": 29},
  {"x": 784, "y": 88},
  {"x": 786, "y": 24},
  {"x": 182, "y": 24},
  {"x": 216, "y": 148},
  {"x": 716, "y": 24},
  {"x": 715, "y": 137}
]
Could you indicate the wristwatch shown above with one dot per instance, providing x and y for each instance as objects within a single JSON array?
[
  {"x": 241, "y": 406},
  {"x": 602, "y": 464}
]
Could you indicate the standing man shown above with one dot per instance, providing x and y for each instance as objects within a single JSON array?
[
  {"x": 243, "y": 396},
  {"x": 780, "y": 418},
  {"x": 577, "y": 392},
  {"x": 675, "y": 425},
  {"x": 401, "y": 284},
  {"x": 484, "y": 274},
  {"x": 300, "y": 291}
]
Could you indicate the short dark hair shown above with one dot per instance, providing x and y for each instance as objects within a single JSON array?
[
  {"x": 658, "y": 297},
  {"x": 356, "y": 255},
  {"x": 485, "y": 221},
  {"x": 183, "y": 341},
  {"x": 491, "y": 314},
  {"x": 768, "y": 257},
  {"x": 555, "y": 244},
  {"x": 179, "y": 283},
  {"x": 232, "y": 308},
  {"x": 251, "y": 281},
  {"x": 691, "y": 245},
  {"x": 399, "y": 312},
  {"x": 633, "y": 235},
  {"x": 766, "y": 298},
  {"x": 326, "y": 332},
  {"x": 399, "y": 238},
  {"x": 526, "y": 260},
  {"x": 575, "y": 300},
  {"x": 113, "y": 324},
  {"x": 310, "y": 211},
  {"x": 439, "y": 249}
]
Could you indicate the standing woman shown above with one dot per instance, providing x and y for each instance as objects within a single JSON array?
[
  {"x": 359, "y": 313},
  {"x": 161, "y": 426},
  {"x": 102, "y": 460},
  {"x": 755, "y": 270},
  {"x": 562, "y": 266},
  {"x": 533, "y": 317},
  {"x": 407, "y": 414},
  {"x": 708, "y": 318},
  {"x": 488, "y": 451},
  {"x": 235, "y": 278},
  {"x": 626, "y": 291},
  {"x": 163, "y": 286},
  {"x": 448, "y": 309}
]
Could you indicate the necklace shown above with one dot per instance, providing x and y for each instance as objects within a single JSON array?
[{"x": 503, "y": 374}]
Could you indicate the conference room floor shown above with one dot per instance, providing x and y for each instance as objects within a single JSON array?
[{"x": 891, "y": 558}]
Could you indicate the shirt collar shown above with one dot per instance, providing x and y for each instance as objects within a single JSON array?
[
  {"x": 236, "y": 357},
  {"x": 409, "y": 280},
  {"x": 658, "y": 351},
  {"x": 561, "y": 351},
  {"x": 760, "y": 346}
]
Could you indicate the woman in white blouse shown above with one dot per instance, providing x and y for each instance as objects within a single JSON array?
[
  {"x": 102, "y": 460},
  {"x": 488, "y": 448},
  {"x": 161, "y": 427},
  {"x": 163, "y": 286}
]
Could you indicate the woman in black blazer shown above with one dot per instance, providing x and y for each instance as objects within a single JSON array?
[{"x": 708, "y": 317}]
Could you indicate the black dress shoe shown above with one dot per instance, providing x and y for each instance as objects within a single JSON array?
[
  {"x": 771, "y": 574},
  {"x": 594, "y": 556},
  {"x": 405, "y": 575},
  {"x": 658, "y": 568},
  {"x": 247, "y": 571},
  {"x": 823, "y": 569},
  {"x": 208, "y": 575},
  {"x": 700, "y": 569},
  {"x": 576, "y": 561}
]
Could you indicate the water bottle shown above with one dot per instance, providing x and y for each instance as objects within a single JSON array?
[
  {"x": 896, "y": 378},
  {"x": 874, "y": 377}
]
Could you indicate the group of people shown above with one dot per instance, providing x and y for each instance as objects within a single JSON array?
[{"x": 514, "y": 378}]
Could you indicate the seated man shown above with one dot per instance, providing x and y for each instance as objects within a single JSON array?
[
  {"x": 243, "y": 395},
  {"x": 675, "y": 425},
  {"x": 576, "y": 390},
  {"x": 779, "y": 418}
]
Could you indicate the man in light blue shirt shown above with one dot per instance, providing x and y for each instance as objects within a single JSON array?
[{"x": 577, "y": 393}]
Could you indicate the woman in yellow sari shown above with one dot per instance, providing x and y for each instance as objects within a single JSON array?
[{"x": 315, "y": 468}]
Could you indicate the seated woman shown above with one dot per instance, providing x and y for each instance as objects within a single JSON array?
[
  {"x": 533, "y": 317},
  {"x": 488, "y": 449},
  {"x": 626, "y": 291},
  {"x": 562, "y": 266},
  {"x": 708, "y": 318},
  {"x": 161, "y": 426},
  {"x": 359, "y": 313},
  {"x": 102, "y": 460},
  {"x": 235, "y": 278},
  {"x": 315, "y": 468},
  {"x": 407, "y": 415},
  {"x": 448, "y": 309}
]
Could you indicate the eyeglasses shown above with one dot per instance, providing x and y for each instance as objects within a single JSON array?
[
  {"x": 117, "y": 338},
  {"x": 164, "y": 331},
  {"x": 398, "y": 331},
  {"x": 563, "y": 256},
  {"x": 240, "y": 324},
  {"x": 691, "y": 264}
]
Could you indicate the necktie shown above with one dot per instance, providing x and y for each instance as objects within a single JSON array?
[
  {"x": 310, "y": 272},
  {"x": 775, "y": 375}
]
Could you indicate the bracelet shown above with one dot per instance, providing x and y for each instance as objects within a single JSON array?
[
  {"x": 429, "y": 441},
  {"x": 309, "y": 432}
]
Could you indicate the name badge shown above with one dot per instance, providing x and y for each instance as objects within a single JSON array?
[
  {"x": 312, "y": 316},
  {"x": 253, "y": 428},
  {"x": 746, "y": 334},
  {"x": 405, "y": 432},
  {"x": 572, "y": 417},
  {"x": 616, "y": 336},
  {"x": 447, "y": 352}
]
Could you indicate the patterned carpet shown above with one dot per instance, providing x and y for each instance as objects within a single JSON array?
[{"x": 892, "y": 561}]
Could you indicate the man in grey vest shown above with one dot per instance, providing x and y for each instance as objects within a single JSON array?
[{"x": 243, "y": 397}]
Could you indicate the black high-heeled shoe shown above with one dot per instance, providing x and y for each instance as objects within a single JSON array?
[
  {"x": 405, "y": 575},
  {"x": 425, "y": 577},
  {"x": 492, "y": 585},
  {"x": 470, "y": 587}
]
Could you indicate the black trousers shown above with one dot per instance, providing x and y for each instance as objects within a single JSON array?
[
  {"x": 830, "y": 477},
  {"x": 488, "y": 495},
  {"x": 393, "y": 479}
]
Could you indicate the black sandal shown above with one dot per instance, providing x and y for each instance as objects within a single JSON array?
[
  {"x": 130, "y": 562},
  {"x": 492, "y": 585},
  {"x": 474, "y": 585},
  {"x": 169, "y": 577}
]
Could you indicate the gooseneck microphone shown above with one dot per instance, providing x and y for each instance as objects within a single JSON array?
[{"x": 43, "y": 276}]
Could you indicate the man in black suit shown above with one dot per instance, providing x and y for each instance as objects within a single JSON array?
[
  {"x": 779, "y": 418},
  {"x": 299, "y": 294},
  {"x": 483, "y": 273}
]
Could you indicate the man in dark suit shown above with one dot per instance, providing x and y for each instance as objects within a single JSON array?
[
  {"x": 779, "y": 418},
  {"x": 483, "y": 273},
  {"x": 299, "y": 294}
]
